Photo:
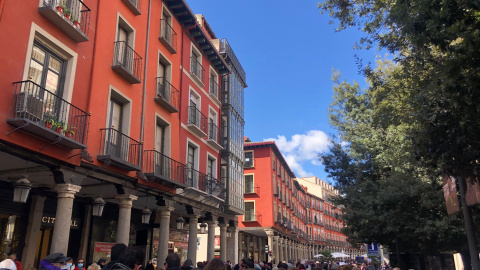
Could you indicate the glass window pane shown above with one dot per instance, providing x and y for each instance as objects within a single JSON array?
[
  {"x": 54, "y": 64},
  {"x": 35, "y": 72},
  {"x": 38, "y": 54},
  {"x": 51, "y": 84}
]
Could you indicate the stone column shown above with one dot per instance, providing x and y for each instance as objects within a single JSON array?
[
  {"x": 223, "y": 241},
  {"x": 282, "y": 249},
  {"x": 276, "y": 249},
  {"x": 285, "y": 251},
  {"x": 270, "y": 242},
  {"x": 164, "y": 230},
  {"x": 261, "y": 250},
  {"x": 192, "y": 237},
  {"x": 241, "y": 242},
  {"x": 211, "y": 240},
  {"x": 63, "y": 217},
  {"x": 233, "y": 245},
  {"x": 33, "y": 231},
  {"x": 124, "y": 216},
  {"x": 84, "y": 242}
]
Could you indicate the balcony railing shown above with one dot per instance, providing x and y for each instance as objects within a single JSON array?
[
  {"x": 197, "y": 121},
  {"x": 163, "y": 169},
  {"x": 252, "y": 215},
  {"x": 196, "y": 179},
  {"x": 119, "y": 149},
  {"x": 167, "y": 95},
  {"x": 133, "y": 5},
  {"x": 215, "y": 187},
  {"x": 251, "y": 188},
  {"x": 46, "y": 115},
  {"x": 71, "y": 16},
  {"x": 214, "y": 89},
  {"x": 168, "y": 36},
  {"x": 127, "y": 62},
  {"x": 214, "y": 135},
  {"x": 196, "y": 69}
]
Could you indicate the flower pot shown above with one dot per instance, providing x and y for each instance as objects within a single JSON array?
[
  {"x": 69, "y": 134},
  {"x": 60, "y": 9},
  {"x": 67, "y": 16},
  {"x": 48, "y": 125},
  {"x": 59, "y": 130},
  {"x": 77, "y": 24}
]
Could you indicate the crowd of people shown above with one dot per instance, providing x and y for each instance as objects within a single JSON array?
[{"x": 132, "y": 258}]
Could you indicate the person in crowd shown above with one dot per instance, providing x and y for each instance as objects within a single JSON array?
[
  {"x": 115, "y": 253},
  {"x": 228, "y": 266},
  {"x": 214, "y": 264},
  {"x": 187, "y": 265},
  {"x": 131, "y": 259},
  {"x": 69, "y": 265},
  {"x": 172, "y": 262},
  {"x": 94, "y": 266},
  {"x": 8, "y": 264},
  {"x": 247, "y": 264},
  {"x": 13, "y": 256},
  {"x": 149, "y": 265},
  {"x": 54, "y": 261},
  {"x": 200, "y": 265},
  {"x": 301, "y": 267},
  {"x": 80, "y": 265},
  {"x": 102, "y": 262}
]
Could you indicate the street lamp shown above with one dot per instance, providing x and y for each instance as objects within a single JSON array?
[
  {"x": 21, "y": 190},
  {"x": 180, "y": 222},
  {"x": 98, "y": 205},
  {"x": 146, "y": 213},
  {"x": 203, "y": 228},
  {"x": 229, "y": 232}
]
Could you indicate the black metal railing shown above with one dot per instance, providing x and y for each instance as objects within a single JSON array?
[
  {"x": 214, "y": 133},
  {"x": 162, "y": 166},
  {"x": 196, "y": 68},
  {"x": 214, "y": 88},
  {"x": 215, "y": 187},
  {"x": 168, "y": 34},
  {"x": 168, "y": 92},
  {"x": 252, "y": 215},
  {"x": 251, "y": 188},
  {"x": 74, "y": 11},
  {"x": 44, "y": 108},
  {"x": 196, "y": 179},
  {"x": 126, "y": 57},
  {"x": 119, "y": 146},
  {"x": 197, "y": 118}
]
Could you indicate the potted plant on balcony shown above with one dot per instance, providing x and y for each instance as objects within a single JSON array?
[
  {"x": 75, "y": 22},
  {"x": 50, "y": 121},
  {"x": 68, "y": 14},
  {"x": 60, "y": 8},
  {"x": 70, "y": 131},
  {"x": 59, "y": 126}
]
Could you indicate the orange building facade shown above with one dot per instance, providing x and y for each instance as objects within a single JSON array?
[
  {"x": 286, "y": 218},
  {"x": 114, "y": 129}
]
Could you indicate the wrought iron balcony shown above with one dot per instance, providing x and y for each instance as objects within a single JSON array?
[
  {"x": 215, "y": 92},
  {"x": 279, "y": 218},
  {"x": 168, "y": 36},
  {"x": 42, "y": 113},
  {"x": 71, "y": 16},
  {"x": 251, "y": 188},
  {"x": 127, "y": 62},
  {"x": 275, "y": 191},
  {"x": 252, "y": 216},
  {"x": 133, "y": 5},
  {"x": 163, "y": 169},
  {"x": 167, "y": 95},
  {"x": 196, "y": 179},
  {"x": 215, "y": 187},
  {"x": 197, "y": 70},
  {"x": 119, "y": 150},
  {"x": 214, "y": 136},
  {"x": 197, "y": 121}
]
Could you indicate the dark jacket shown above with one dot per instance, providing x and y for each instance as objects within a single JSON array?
[
  {"x": 109, "y": 265},
  {"x": 46, "y": 265}
]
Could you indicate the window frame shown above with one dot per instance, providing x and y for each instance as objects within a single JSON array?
[{"x": 244, "y": 159}]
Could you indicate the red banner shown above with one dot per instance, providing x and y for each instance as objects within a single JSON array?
[{"x": 103, "y": 247}]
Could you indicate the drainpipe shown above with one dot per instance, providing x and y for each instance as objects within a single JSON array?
[
  {"x": 145, "y": 82},
  {"x": 93, "y": 60}
]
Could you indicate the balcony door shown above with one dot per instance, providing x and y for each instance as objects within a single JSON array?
[
  {"x": 192, "y": 175},
  {"x": 47, "y": 70},
  {"x": 116, "y": 144},
  {"x": 162, "y": 164},
  {"x": 124, "y": 55}
]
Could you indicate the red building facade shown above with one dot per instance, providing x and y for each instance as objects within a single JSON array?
[
  {"x": 113, "y": 106},
  {"x": 282, "y": 216}
]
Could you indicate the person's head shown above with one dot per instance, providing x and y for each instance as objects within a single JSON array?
[
  {"x": 116, "y": 251},
  {"x": 228, "y": 266},
  {"x": 247, "y": 263},
  {"x": 172, "y": 260},
  {"x": 8, "y": 264},
  {"x": 214, "y": 264},
  {"x": 301, "y": 267},
  {"x": 102, "y": 262},
  {"x": 133, "y": 258},
  {"x": 80, "y": 263},
  {"x": 283, "y": 266},
  {"x": 94, "y": 266},
  {"x": 187, "y": 265},
  {"x": 396, "y": 268},
  {"x": 12, "y": 256},
  {"x": 57, "y": 259}
]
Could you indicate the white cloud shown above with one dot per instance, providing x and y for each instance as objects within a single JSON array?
[{"x": 302, "y": 148}]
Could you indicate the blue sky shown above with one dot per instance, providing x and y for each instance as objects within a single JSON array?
[{"x": 288, "y": 51}]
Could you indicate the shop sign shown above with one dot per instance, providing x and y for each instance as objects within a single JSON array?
[
  {"x": 49, "y": 221},
  {"x": 183, "y": 245},
  {"x": 102, "y": 250}
]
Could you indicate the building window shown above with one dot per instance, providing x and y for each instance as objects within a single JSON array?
[
  {"x": 248, "y": 159},
  {"x": 249, "y": 211},
  {"x": 273, "y": 163},
  {"x": 249, "y": 184},
  {"x": 192, "y": 174},
  {"x": 274, "y": 211},
  {"x": 211, "y": 167}
]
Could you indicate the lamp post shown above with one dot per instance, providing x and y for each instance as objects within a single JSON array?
[
  {"x": 98, "y": 205},
  {"x": 146, "y": 213},
  {"x": 203, "y": 228},
  {"x": 21, "y": 190},
  {"x": 180, "y": 222}
]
